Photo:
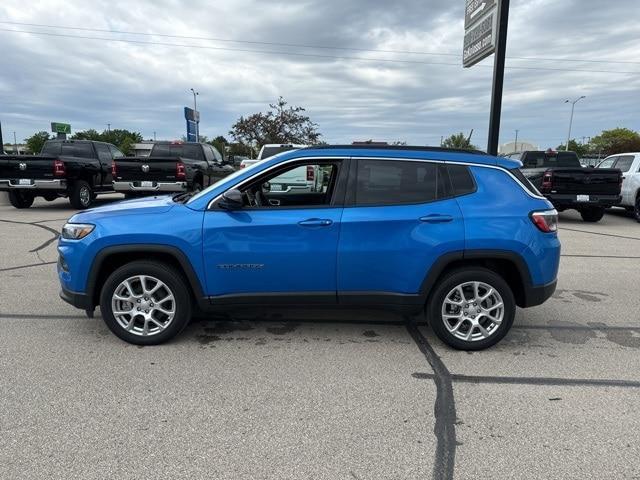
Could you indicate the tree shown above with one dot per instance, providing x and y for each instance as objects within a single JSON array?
[
  {"x": 281, "y": 124},
  {"x": 220, "y": 143},
  {"x": 121, "y": 138},
  {"x": 617, "y": 140},
  {"x": 580, "y": 148},
  {"x": 459, "y": 141},
  {"x": 36, "y": 141}
]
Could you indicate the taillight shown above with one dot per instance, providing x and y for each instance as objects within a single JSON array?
[
  {"x": 114, "y": 170},
  {"x": 180, "y": 171},
  {"x": 547, "y": 180},
  {"x": 58, "y": 168},
  {"x": 546, "y": 221},
  {"x": 310, "y": 173}
]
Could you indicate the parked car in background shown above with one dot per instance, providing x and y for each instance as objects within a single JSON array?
[
  {"x": 78, "y": 169},
  {"x": 568, "y": 185},
  {"x": 171, "y": 167},
  {"x": 460, "y": 235},
  {"x": 629, "y": 165}
]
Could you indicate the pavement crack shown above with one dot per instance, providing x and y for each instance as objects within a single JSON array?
[
  {"x": 444, "y": 408},
  {"x": 55, "y": 232},
  {"x": 26, "y": 266}
]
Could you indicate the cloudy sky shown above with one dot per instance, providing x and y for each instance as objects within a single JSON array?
[{"x": 362, "y": 69}]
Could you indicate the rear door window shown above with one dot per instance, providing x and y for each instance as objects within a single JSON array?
[
  {"x": 393, "y": 182},
  {"x": 115, "y": 153},
  {"x": 624, "y": 163},
  {"x": 103, "y": 152}
]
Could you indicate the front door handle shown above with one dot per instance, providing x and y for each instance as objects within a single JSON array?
[
  {"x": 316, "y": 222},
  {"x": 436, "y": 218}
]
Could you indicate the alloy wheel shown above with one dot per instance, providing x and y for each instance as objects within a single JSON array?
[
  {"x": 473, "y": 311},
  {"x": 143, "y": 305}
]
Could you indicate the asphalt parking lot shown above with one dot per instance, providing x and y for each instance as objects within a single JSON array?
[{"x": 354, "y": 395}]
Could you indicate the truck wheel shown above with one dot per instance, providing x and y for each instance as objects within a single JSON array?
[
  {"x": 197, "y": 186},
  {"x": 20, "y": 199},
  {"x": 81, "y": 195},
  {"x": 471, "y": 309},
  {"x": 50, "y": 197},
  {"x": 593, "y": 214},
  {"x": 145, "y": 302},
  {"x": 636, "y": 209}
]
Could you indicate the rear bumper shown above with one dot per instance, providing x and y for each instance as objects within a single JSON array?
[
  {"x": 537, "y": 295},
  {"x": 78, "y": 300},
  {"x": 12, "y": 184},
  {"x": 571, "y": 201},
  {"x": 156, "y": 187}
]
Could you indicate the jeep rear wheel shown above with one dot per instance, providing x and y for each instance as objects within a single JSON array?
[
  {"x": 145, "y": 303},
  {"x": 20, "y": 199},
  {"x": 471, "y": 309}
]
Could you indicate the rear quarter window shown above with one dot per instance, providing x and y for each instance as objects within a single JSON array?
[
  {"x": 525, "y": 181},
  {"x": 462, "y": 181}
]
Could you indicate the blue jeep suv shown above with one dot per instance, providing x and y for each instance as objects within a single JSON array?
[{"x": 460, "y": 235}]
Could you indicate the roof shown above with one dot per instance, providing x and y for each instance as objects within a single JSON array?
[{"x": 402, "y": 151}]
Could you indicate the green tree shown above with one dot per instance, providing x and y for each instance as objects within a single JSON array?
[
  {"x": 121, "y": 138},
  {"x": 220, "y": 144},
  {"x": 459, "y": 141},
  {"x": 580, "y": 148},
  {"x": 617, "y": 140},
  {"x": 281, "y": 124},
  {"x": 36, "y": 141}
]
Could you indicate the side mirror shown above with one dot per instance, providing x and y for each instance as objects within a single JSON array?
[{"x": 231, "y": 200}]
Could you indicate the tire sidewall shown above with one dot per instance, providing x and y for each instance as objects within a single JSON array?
[
  {"x": 457, "y": 277},
  {"x": 636, "y": 209},
  {"x": 166, "y": 274},
  {"x": 76, "y": 197},
  {"x": 21, "y": 199}
]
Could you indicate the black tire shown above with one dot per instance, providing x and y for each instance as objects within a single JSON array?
[
  {"x": 636, "y": 209},
  {"x": 20, "y": 199},
  {"x": 459, "y": 277},
  {"x": 196, "y": 186},
  {"x": 592, "y": 214},
  {"x": 166, "y": 274},
  {"x": 81, "y": 195}
]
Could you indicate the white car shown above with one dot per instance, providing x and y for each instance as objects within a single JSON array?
[
  {"x": 629, "y": 165},
  {"x": 269, "y": 150}
]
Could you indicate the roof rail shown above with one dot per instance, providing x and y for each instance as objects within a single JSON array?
[{"x": 396, "y": 147}]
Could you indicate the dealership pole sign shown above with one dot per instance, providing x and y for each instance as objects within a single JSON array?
[
  {"x": 192, "y": 117},
  {"x": 480, "y": 31}
]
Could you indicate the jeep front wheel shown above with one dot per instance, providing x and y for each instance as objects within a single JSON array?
[
  {"x": 145, "y": 303},
  {"x": 471, "y": 309}
]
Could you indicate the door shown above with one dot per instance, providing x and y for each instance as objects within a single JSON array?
[
  {"x": 625, "y": 163},
  {"x": 105, "y": 159},
  {"x": 399, "y": 224},
  {"x": 277, "y": 243}
]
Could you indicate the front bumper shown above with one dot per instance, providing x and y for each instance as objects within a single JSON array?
[
  {"x": 14, "y": 184},
  {"x": 78, "y": 300},
  {"x": 537, "y": 295},
  {"x": 571, "y": 201},
  {"x": 136, "y": 186}
]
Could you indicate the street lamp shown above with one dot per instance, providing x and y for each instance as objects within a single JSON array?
[
  {"x": 195, "y": 109},
  {"x": 573, "y": 106},
  {"x": 516, "y": 142}
]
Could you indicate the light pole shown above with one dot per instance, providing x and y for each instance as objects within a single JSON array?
[
  {"x": 573, "y": 106},
  {"x": 195, "y": 109},
  {"x": 516, "y": 142}
]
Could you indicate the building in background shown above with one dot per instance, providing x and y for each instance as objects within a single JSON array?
[
  {"x": 10, "y": 149},
  {"x": 523, "y": 145}
]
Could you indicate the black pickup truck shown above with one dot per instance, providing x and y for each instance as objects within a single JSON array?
[
  {"x": 567, "y": 185},
  {"x": 170, "y": 167},
  {"x": 78, "y": 169}
]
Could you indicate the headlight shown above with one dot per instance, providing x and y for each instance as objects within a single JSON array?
[{"x": 76, "y": 231}]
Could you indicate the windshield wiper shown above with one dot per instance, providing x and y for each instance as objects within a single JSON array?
[{"x": 182, "y": 197}]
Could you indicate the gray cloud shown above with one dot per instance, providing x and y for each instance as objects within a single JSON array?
[{"x": 90, "y": 83}]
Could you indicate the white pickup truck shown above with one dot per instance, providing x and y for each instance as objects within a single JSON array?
[{"x": 629, "y": 165}]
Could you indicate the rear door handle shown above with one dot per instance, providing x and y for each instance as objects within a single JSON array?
[
  {"x": 316, "y": 222},
  {"x": 436, "y": 218}
]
